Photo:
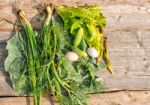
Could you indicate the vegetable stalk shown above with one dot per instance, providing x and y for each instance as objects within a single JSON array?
[{"x": 32, "y": 55}]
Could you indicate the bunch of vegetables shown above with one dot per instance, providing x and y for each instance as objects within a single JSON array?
[{"x": 62, "y": 58}]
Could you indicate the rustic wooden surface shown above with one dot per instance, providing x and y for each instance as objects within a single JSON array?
[
  {"x": 117, "y": 98},
  {"x": 128, "y": 33}
]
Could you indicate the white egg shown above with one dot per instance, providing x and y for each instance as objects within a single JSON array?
[
  {"x": 72, "y": 56},
  {"x": 92, "y": 52}
]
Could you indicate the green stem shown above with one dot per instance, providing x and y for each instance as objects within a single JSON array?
[
  {"x": 32, "y": 54},
  {"x": 89, "y": 69},
  {"x": 57, "y": 85},
  {"x": 63, "y": 83}
]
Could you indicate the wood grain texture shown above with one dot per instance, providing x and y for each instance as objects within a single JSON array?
[
  {"x": 120, "y": 15},
  {"x": 116, "y": 98},
  {"x": 130, "y": 55},
  {"x": 128, "y": 33}
]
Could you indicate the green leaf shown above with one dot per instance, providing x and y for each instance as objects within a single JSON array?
[
  {"x": 87, "y": 14},
  {"x": 14, "y": 64},
  {"x": 83, "y": 45},
  {"x": 68, "y": 72},
  {"x": 58, "y": 30},
  {"x": 75, "y": 26}
]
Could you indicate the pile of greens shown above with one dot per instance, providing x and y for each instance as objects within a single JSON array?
[{"x": 62, "y": 58}]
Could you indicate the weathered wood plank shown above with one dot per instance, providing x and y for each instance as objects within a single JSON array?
[
  {"x": 75, "y": 2},
  {"x": 116, "y": 39},
  {"x": 120, "y": 16},
  {"x": 5, "y": 35},
  {"x": 115, "y": 21},
  {"x": 121, "y": 98},
  {"x": 127, "y": 82},
  {"x": 115, "y": 98},
  {"x": 6, "y": 89},
  {"x": 128, "y": 36},
  {"x": 130, "y": 55}
]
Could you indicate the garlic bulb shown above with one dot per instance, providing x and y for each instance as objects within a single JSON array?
[
  {"x": 72, "y": 56},
  {"x": 92, "y": 52}
]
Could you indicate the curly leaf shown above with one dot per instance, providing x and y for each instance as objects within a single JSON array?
[{"x": 86, "y": 14}]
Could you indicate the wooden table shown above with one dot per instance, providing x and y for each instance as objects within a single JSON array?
[{"x": 128, "y": 32}]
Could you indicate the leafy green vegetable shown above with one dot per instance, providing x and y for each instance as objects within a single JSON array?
[
  {"x": 84, "y": 22},
  {"x": 86, "y": 14},
  {"x": 37, "y": 62},
  {"x": 14, "y": 63}
]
